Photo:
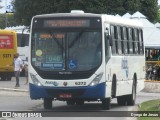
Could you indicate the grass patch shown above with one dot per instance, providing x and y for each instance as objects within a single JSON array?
[{"x": 152, "y": 105}]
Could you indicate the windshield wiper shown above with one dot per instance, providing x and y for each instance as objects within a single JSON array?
[
  {"x": 55, "y": 39},
  {"x": 76, "y": 39}
]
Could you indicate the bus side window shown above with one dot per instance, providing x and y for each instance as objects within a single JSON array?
[
  {"x": 113, "y": 35},
  {"x": 127, "y": 39},
  {"x": 141, "y": 42},
  {"x": 18, "y": 40},
  {"x": 133, "y": 39},
  {"x": 130, "y": 41},
  {"x": 116, "y": 38},
  {"x": 119, "y": 41},
  {"x": 136, "y": 42},
  {"x": 22, "y": 40},
  {"x": 26, "y": 39},
  {"x": 122, "y": 39}
]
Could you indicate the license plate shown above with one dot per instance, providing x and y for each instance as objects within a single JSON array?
[{"x": 65, "y": 95}]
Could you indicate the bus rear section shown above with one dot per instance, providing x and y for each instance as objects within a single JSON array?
[{"x": 8, "y": 47}]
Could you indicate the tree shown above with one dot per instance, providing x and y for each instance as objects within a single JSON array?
[
  {"x": 26, "y": 9},
  {"x": 150, "y": 9},
  {"x": 7, "y": 19}
]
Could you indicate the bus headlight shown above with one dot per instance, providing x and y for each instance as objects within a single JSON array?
[
  {"x": 35, "y": 80},
  {"x": 96, "y": 79}
]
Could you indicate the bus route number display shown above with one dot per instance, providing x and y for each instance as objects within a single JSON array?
[{"x": 66, "y": 23}]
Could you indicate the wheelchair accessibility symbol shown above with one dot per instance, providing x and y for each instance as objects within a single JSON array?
[{"x": 72, "y": 64}]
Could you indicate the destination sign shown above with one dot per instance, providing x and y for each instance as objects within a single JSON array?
[
  {"x": 45, "y": 35},
  {"x": 67, "y": 23}
]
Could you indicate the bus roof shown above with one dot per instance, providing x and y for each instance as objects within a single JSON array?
[
  {"x": 122, "y": 21},
  {"x": 2, "y": 31},
  {"x": 106, "y": 18},
  {"x": 19, "y": 29}
]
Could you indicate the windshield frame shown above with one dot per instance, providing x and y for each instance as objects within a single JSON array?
[{"x": 66, "y": 71}]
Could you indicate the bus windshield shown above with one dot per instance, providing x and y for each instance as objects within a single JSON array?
[{"x": 69, "y": 51}]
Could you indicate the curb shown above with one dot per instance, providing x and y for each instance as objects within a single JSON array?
[
  {"x": 153, "y": 81},
  {"x": 14, "y": 89},
  {"x": 152, "y": 86}
]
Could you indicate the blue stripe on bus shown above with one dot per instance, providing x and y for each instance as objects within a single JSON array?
[{"x": 89, "y": 92}]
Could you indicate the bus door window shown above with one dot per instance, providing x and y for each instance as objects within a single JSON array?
[
  {"x": 113, "y": 35},
  {"x": 107, "y": 40}
]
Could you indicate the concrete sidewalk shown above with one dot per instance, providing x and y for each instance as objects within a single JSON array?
[
  {"x": 10, "y": 85},
  {"x": 152, "y": 86}
]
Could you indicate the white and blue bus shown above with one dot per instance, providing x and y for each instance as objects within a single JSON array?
[{"x": 77, "y": 57}]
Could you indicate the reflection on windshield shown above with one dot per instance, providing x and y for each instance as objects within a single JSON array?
[{"x": 70, "y": 51}]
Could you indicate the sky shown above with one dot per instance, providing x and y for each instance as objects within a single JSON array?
[{"x": 4, "y": 3}]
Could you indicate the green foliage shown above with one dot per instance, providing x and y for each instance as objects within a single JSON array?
[
  {"x": 150, "y": 9},
  {"x": 152, "y": 105},
  {"x": 2, "y": 21},
  {"x": 7, "y": 20},
  {"x": 26, "y": 9}
]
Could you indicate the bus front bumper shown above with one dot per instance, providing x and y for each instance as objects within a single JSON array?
[{"x": 87, "y": 92}]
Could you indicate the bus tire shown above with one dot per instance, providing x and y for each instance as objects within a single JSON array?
[
  {"x": 132, "y": 97},
  {"x": 121, "y": 100},
  {"x": 47, "y": 103},
  {"x": 114, "y": 86},
  {"x": 106, "y": 104},
  {"x": 70, "y": 102}
]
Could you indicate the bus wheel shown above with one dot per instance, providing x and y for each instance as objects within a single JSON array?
[
  {"x": 121, "y": 100},
  {"x": 114, "y": 86},
  {"x": 47, "y": 103},
  {"x": 132, "y": 97},
  {"x": 80, "y": 102},
  {"x": 106, "y": 104},
  {"x": 70, "y": 102}
]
